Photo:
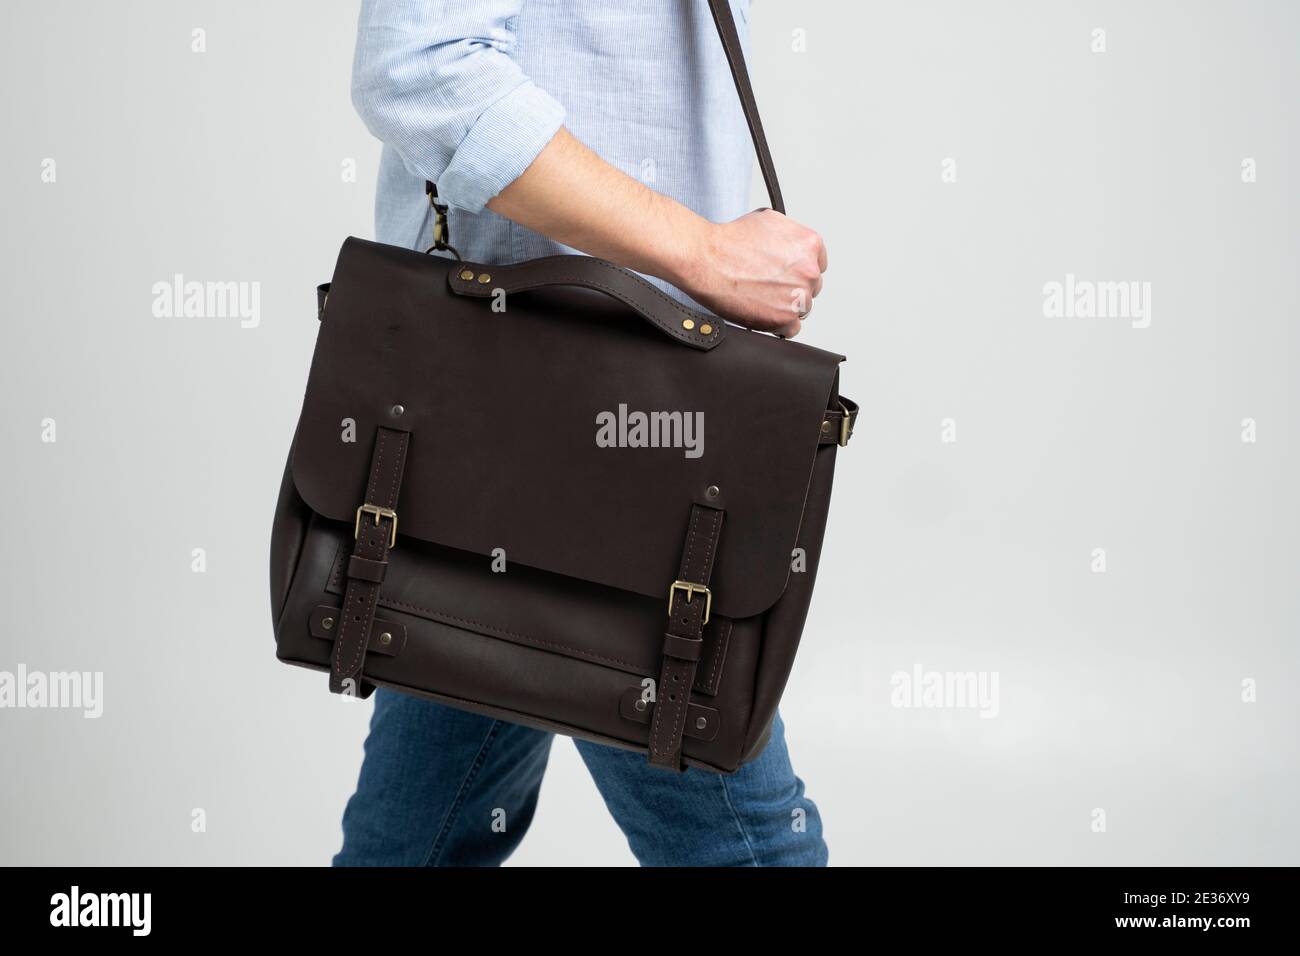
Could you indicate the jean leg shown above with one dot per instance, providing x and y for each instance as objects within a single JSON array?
[
  {"x": 758, "y": 816},
  {"x": 441, "y": 787}
]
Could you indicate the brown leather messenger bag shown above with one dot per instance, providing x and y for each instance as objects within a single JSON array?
[{"x": 595, "y": 511}]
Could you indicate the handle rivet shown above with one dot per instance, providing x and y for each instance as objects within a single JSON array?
[
  {"x": 467, "y": 274},
  {"x": 640, "y": 703},
  {"x": 485, "y": 278},
  {"x": 328, "y": 623},
  {"x": 385, "y": 638},
  {"x": 706, "y": 329},
  {"x": 688, "y": 324},
  {"x": 397, "y": 411},
  {"x": 701, "y": 723},
  {"x": 712, "y": 491}
]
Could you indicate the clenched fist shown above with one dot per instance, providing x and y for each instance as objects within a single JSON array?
[{"x": 761, "y": 270}]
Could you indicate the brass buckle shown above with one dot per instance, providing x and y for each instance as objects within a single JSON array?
[
  {"x": 690, "y": 587},
  {"x": 846, "y": 428},
  {"x": 378, "y": 512}
]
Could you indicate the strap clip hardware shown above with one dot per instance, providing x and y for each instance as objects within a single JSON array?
[
  {"x": 690, "y": 588},
  {"x": 378, "y": 512},
  {"x": 846, "y": 426},
  {"x": 441, "y": 229}
]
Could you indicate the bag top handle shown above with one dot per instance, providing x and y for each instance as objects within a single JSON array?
[
  {"x": 689, "y": 327},
  {"x": 726, "y": 27}
]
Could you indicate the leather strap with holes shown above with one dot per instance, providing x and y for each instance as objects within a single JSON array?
[
  {"x": 684, "y": 640},
  {"x": 365, "y": 569}
]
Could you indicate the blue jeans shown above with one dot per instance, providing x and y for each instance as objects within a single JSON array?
[{"x": 441, "y": 787}]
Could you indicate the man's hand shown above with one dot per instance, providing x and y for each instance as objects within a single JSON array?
[{"x": 761, "y": 270}]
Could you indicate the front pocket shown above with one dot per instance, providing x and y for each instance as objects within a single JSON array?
[{"x": 550, "y": 612}]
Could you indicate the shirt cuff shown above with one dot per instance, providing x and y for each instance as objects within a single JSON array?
[{"x": 500, "y": 145}]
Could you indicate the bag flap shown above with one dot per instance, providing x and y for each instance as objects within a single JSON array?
[{"x": 504, "y": 410}]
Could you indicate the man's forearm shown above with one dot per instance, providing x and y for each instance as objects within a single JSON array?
[
  {"x": 573, "y": 196},
  {"x": 761, "y": 270}
]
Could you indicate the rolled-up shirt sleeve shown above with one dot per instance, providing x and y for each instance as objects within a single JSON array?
[{"x": 435, "y": 80}]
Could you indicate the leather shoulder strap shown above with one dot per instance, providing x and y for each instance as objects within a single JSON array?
[
  {"x": 722, "y": 19},
  {"x": 726, "y": 26}
]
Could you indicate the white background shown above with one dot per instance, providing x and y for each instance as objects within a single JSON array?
[{"x": 1119, "y": 691}]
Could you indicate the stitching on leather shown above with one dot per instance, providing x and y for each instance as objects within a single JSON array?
[
  {"x": 357, "y": 563},
  {"x": 526, "y": 638},
  {"x": 719, "y": 651},
  {"x": 644, "y": 286},
  {"x": 379, "y": 466},
  {"x": 708, "y": 546},
  {"x": 367, "y": 618},
  {"x": 335, "y": 583},
  {"x": 656, "y": 724},
  {"x": 367, "y": 593},
  {"x": 397, "y": 470},
  {"x": 336, "y": 570},
  {"x": 358, "y": 646},
  {"x": 338, "y": 646},
  {"x": 679, "y": 708},
  {"x": 690, "y": 545},
  {"x": 627, "y": 299},
  {"x": 377, "y": 625}
]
